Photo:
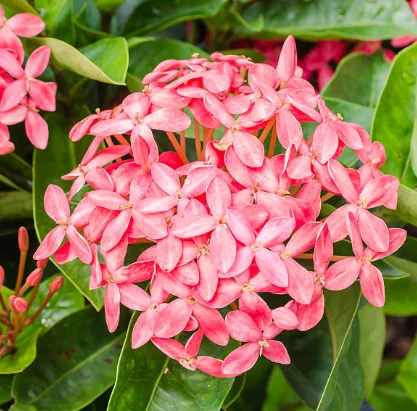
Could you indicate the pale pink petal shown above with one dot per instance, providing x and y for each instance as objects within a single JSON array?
[
  {"x": 342, "y": 274},
  {"x": 168, "y": 252},
  {"x": 336, "y": 222},
  {"x": 115, "y": 230},
  {"x": 343, "y": 181},
  {"x": 242, "y": 359},
  {"x": 144, "y": 328},
  {"x": 242, "y": 327},
  {"x": 166, "y": 178},
  {"x": 107, "y": 199},
  {"x": 135, "y": 272},
  {"x": 79, "y": 245},
  {"x": 249, "y": 149},
  {"x": 43, "y": 94},
  {"x": 372, "y": 284},
  {"x": 218, "y": 110},
  {"x": 188, "y": 273},
  {"x": 9, "y": 63},
  {"x": 208, "y": 277},
  {"x": 354, "y": 234},
  {"x": 133, "y": 297},
  {"x": 275, "y": 231},
  {"x": 397, "y": 237},
  {"x": 171, "y": 285},
  {"x": 272, "y": 267},
  {"x": 157, "y": 204},
  {"x": 219, "y": 197},
  {"x": 244, "y": 258},
  {"x": 374, "y": 231},
  {"x": 287, "y": 62},
  {"x": 168, "y": 119},
  {"x": 112, "y": 306},
  {"x": 222, "y": 248},
  {"x": 240, "y": 226},
  {"x": 50, "y": 243},
  {"x": 37, "y": 130},
  {"x": 151, "y": 225},
  {"x": 212, "y": 324},
  {"x": 325, "y": 142},
  {"x": 173, "y": 318},
  {"x": 188, "y": 227},
  {"x": 380, "y": 191},
  {"x": 25, "y": 24},
  {"x": 300, "y": 282},
  {"x": 285, "y": 318},
  {"x": 109, "y": 127},
  {"x": 38, "y": 61},
  {"x": 303, "y": 239},
  {"x": 289, "y": 129},
  {"x": 13, "y": 95},
  {"x": 171, "y": 348},
  {"x": 299, "y": 168}
]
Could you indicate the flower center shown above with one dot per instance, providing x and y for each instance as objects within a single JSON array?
[
  {"x": 319, "y": 279},
  {"x": 188, "y": 363},
  {"x": 126, "y": 206},
  {"x": 247, "y": 288}
]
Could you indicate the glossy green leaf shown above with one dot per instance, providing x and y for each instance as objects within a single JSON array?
[
  {"x": 155, "y": 51},
  {"x": 5, "y": 388},
  {"x": 81, "y": 357},
  {"x": 148, "y": 380},
  {"x": 58, "y": 17},
  {"x": 407, "y": 205},
  {"x": 108, "y": 5},
  {"x": 389, "y": 394},
  {"x": 19, "y": 6},
  {"x": 15, "y": 205},
  {"x": 371, "y": 345},
  {"x": 395, "y": 115},
  {"x": 59, "y": 158},
  {"x": 92, "y": 61},
  {"x": 407, "y": 375},
  {"x": 16, "y": 171},
  {"x": 401, "y": 297},
  {"x": 280, "y": 395},
  {"x": 64, "y": 303},
  {"x": 235, "y": 392},
  {"x": 155, "y": 15},
  {"x": 329, "y": 19}
]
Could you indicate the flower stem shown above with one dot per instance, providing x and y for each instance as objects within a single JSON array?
[
  {"x": 267, "y": 129},
  {"x": 197, "y": 139},
  {"x": 182, "y": 141},
  {"x": 30, "y": 320},
  {"x": 311, "y": 256},
  {"x": 21, "y": 270},
  {"x": 326, "y": 197},
  {"x": 33, "y": 295},
  {"x": 177, "y": 146},
  {"x": 272, "y": 141}
]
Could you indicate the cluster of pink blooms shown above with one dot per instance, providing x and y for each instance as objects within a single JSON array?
[
  {"x": 22, "y": 95},
  {"x": 231, "y": 226}
]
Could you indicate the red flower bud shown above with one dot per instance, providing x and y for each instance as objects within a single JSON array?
[
  {"x": 23, "y": 239},
  {"x": 20, "y": 305},
  {"x": 1, "y": 276},
  {"x": 42, "y": 263},
  {"x": 34, "y": 277},
  {"x": 56, "y": 285}
]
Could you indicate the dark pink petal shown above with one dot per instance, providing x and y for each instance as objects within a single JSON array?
[
  {"x": 38, "y": 61},
  {"x": 222, "y": 248},
  {"x": 249, "y": 149},
  {"x": 25, "y": 24},
  {"x": 276, "y": 352},
  {"x": 285, "y": 318},
  {"x": 342, "y": 274},
  {"x": 275, "y": 231},
  {"x": 208, "y": 277},
  {"x": 300, "y": 283},
  {"x": 212, "y": 324},
  {"x": 253, "y": 305},
  {"x": 372, "y": 284},
  {"x": 144, "y": 328},
  {"x": 240, "y": 226},
  {"x": 171, "y": 285},
  {"x": 135, "y": 272},
  {"x": 168, "y": 252},
  {"x": 323, "y": 251},
  {"x": 325, "y": 142},
  {"x": 36, "y": 129},
  {"x": 303, "y": 239},
  {"x": 56, "y": 203},
  {"x": 336, "y": 222},
  {"x": 191, "y": 226},
  {"x": 13, "y": 95},
  {"x": 354, "y": 234},
  {"x": 218, "y": 110},
  {"x": 242, "y": 359},
  {"x": 79, "y": 245},
  {"x": 397, "y": 237},
  {"x": 173, "y": 318},
  {"x": 50, "y": 243},
  {"x": 211, "y": 366},
  {"x": 343, "y": 181},
  {"x": 308, "y": 315},
  {"x": 168, "y": 119},
  {"x": 242, "y": 327},
  {"x": 374, "y": 231},
  {"x": 9, "y": 63},
  {"x": 133, "y": 297},
  {"x": 272, "y": 267},
  {"x": 112, "y": 306},
  {"x": 380, "y": 191},
  {"x": 43, "y": 94}
]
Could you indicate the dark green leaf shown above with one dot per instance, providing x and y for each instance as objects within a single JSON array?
[
  {"x": 407, "y": 375},
  {"x": 155, "y": 15},
  {"x": 19, "y": 6},
  {"x": 235, "y": 391},
  {"x": 108, "y": 5},
  {"x": 155, "y": 51},
  {"x": 407, "y": 205},
  {"x": 5, "y": 388},
  {"x": 371, "y": 345},
  {"x": 401, "y": 297},
  {"x": 81, "y": 357},
  {"x": 59, "y": 158},
  {"x": 329, "y": 19},
  {"x": 395, "y": 115},
  {"x": 15, "y": 205},
  {"x": 92, "y": 61},
  {"x": 16, "y": 171},
  {"x": 148, "y": 380}
]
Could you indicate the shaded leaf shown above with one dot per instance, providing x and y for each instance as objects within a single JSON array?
[
  {"x": 16, "y": 171},
  {"x": 5, "y": 388},
  {"x": 15, "y": 205},
  {"x": 19, "y": 6}
]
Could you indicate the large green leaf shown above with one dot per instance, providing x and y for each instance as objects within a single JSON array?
[
  {"x": 395, "y": 116},
  {"x": 5, "y": 388},
  {"x": 372, "y": 342},
  {"x": 49, "y": 165},
  {"x": 407, "y": 376},
  {"x": 155, "y": 15},
  {"x": 67, "y": 301},
  {"x": 19, "y": 6},
  {"x": 16, "y": 172},
  {"x": 15, "y": 205},
  {"x": 93, "y": 60},
  {"x": 329, "y": 19},
  {"x": 76, "y": 363},
  {"x": 148, "y": 380},
  {"x": 320, "y": 381},
  {"x": 155, "y": 52},
  {"x": 407, "y": 205}
]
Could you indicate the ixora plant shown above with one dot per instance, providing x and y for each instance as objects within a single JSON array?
[{"x": 235, "y": 224}]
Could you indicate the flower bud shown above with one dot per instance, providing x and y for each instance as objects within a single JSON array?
[
  {"x": 23, "y": 239},
  {"x": 1, "y": 276},
  {"x": 42, "y": 263},
  {"x": 20, "y": 305},
  {"x": 34, "y": 277},
  {"x": 56, "y": 285}
]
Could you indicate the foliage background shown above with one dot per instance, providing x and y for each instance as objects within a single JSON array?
[{"x": 359, "y": 356}]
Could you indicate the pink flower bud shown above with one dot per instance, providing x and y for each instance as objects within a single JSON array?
[
  {"x": 56, "y": 285},
  {"x": 23, "y": 239},
  {"x": 19, "y": 304},
  {"x": 1, "y": 276},
  {"x": 42, "y": 263},
  {"x": 34, "y": 277}
]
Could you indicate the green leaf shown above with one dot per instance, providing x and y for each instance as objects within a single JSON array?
[
  {"x": 155, "y": 51},
  {"x": 395, "y": 115},
  {"x": 407, "y": 376},
  {"x": 16, "y": 171},
  {"x": 64, "y": 303},
  {"x": 371, "y": 345},
  {"x": 81, "y": 357},
  {"x": 15, "y": 205},
  {"x": 330, "y": 19},
  {"x": 407, "y": 205},
  {"x": 49, "y": 165},
  {"x": 19, "y": 6},
  {"x": 5, "y": 388},
  {"x": 155, "y": 15},
  {"x": 108, "y": 5},
  {"x": 389, "y": 394},
  {"x": 401, "y": 297},
  {"x": 235, "y": 391},
  {"x": 319, "y": 381},
  {"x": 58, "y": 17},
  {"x": 280, "y": 394},
  {"x": 148, "y": 380},
  {"x": 92, "y": 61}
]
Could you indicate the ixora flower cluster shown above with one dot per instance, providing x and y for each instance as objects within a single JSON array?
[
  {"x": 232, "y": 225},
  {"x": 22, "y": 95}
]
